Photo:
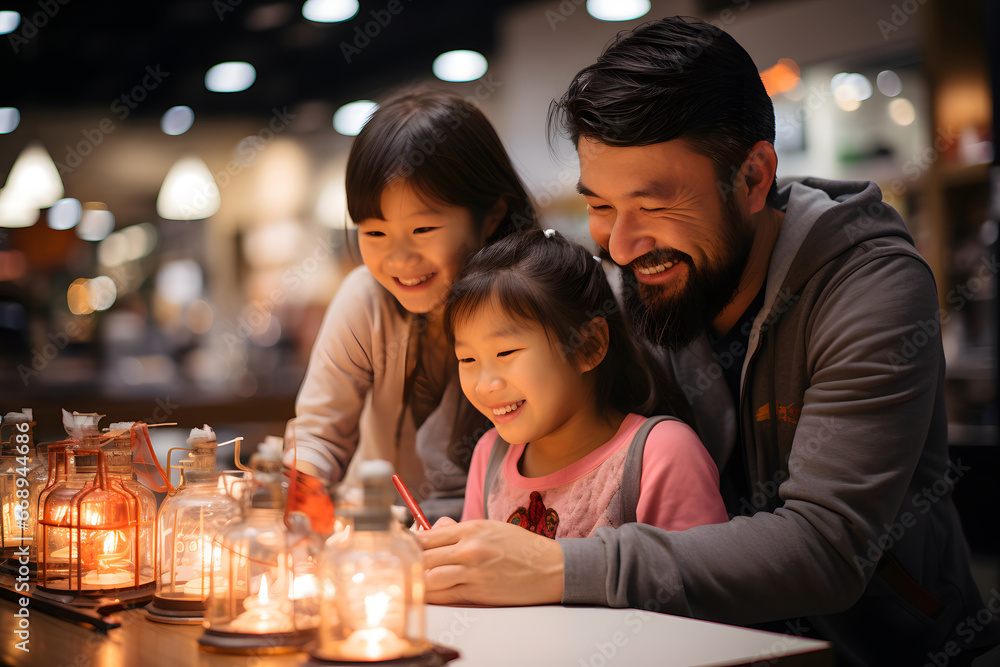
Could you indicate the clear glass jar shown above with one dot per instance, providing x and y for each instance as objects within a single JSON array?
[
  {"x": 257, "y": 600},
  {"x": 187, "y": 523},
  {"x": 372, "y": 604},
  {"x": 22, "y": 476}
]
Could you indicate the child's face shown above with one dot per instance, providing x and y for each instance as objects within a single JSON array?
[
  {"x": 418, "y": 249},
  {"x": 514, "y": 375}
]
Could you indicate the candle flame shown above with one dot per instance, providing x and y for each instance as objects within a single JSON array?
[
  {"x": 262, "y": 593},
  {"x": 376, "y": 607}
]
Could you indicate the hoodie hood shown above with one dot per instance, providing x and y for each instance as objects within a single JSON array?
[{"x": 849, "y": 212}]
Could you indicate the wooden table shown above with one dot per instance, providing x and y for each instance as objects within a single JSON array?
[{"x": 522, "y": 636}]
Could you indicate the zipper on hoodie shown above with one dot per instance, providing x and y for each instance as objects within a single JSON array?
[{"x": 746, "y": 425}]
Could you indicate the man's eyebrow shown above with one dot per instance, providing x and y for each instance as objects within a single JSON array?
[{"x": 652, "y": 191}]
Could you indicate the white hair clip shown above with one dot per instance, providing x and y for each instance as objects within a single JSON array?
[
  {"x": 549, "y": 233},
  {"x": 597, "y": 258}
]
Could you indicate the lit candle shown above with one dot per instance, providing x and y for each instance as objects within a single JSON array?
[
  {"x": 374, "y": 641},
  {"x": 262, "y": 615},
  {"x": 304, "y": 586}
]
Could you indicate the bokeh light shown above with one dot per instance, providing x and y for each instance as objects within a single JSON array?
[
  {"x": 350, "y": 118},
  {"x": 460, "y": 65},
  {"x": 230, "y": 77}
]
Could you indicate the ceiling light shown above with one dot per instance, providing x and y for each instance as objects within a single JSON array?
[
  {"x": 10, "y": 118},
  {"x": 350, "y": 118},
  {"x": 330, "y": 11},
  {"x": 188, "y": 192},
  {"x": 177, "y": 120},
  {"x": 15, "y": 211},
  {"x": 459, "y": 65},
  {"x": 901, "y": 111},
  {"x": 618, "y": 10},
  {"x": 851, "y": 86},
  {"x": 231, "y": 77},
  {"x": 888, "y": 83},
  {"x": 64, "y": 214},
  {"x": 9, "y": 22},
  {"x": 34, "y": 178},
  {"x": 96, "y": 222}
]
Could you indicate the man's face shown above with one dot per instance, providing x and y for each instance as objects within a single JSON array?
[{"x": 658, "y": 211}]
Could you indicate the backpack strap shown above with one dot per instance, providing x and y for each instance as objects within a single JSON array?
[
  {"x": 500, "y": 447},
  {"x": 632, "y": 469}
]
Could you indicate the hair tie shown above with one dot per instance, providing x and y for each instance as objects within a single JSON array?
[
  {"x": 597, "y": 258},
  {"x": 549, "y": 233}
]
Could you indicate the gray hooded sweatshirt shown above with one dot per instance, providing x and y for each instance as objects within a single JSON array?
[{"x": 849, "y": 533}]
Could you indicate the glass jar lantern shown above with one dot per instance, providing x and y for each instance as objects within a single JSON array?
[
  {"x": 94, "y": 529},
  {"x": 372, "y": 604},
  {"x": 254, "y": 604},
  {"x": 95, "y": 533},
  {"x": 22, "y": 477},
  {"x": 188, "y": 521}
]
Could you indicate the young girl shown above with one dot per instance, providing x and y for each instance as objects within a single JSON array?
[
  {"x": 428, "y": 184},
  {"x": 546, "y": 354}
]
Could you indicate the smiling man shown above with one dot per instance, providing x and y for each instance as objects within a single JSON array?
[{"x": 785, "y": 316}]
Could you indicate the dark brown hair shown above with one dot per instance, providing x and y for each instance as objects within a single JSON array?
[
  {"x": 448, "y": 151},
  {"x": 670, "y": 79},
  {"x": 559, "y": 285}
]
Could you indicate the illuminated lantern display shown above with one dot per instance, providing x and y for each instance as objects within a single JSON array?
[
  {"x": 96, "y": 522},
  {"x": 188, "y": 521},
  {"x": 372, "y": 603},
  {"x": 22, "y": 477},
  {"x": 261, "y": 597}
]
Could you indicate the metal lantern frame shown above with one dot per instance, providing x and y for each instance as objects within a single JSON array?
[{"x": 96, "y": 518}]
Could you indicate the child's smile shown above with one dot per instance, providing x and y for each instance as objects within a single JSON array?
[{"x": 507, "y": 413}]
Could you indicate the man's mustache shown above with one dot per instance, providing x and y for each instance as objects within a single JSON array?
[{"x": 659, "y": 256}]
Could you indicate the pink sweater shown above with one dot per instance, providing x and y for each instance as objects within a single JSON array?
[{"x": 679, "y": 485}]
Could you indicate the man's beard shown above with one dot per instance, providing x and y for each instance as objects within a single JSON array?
[{"x": 674, "y": 320}]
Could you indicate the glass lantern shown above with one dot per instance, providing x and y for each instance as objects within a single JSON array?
[
  {"x": 188, "y": 521},
  {"x": 22, "y": 477},
  {"x": 95, "y": 522},
  {"x": 372, "y": 605},
  {"x": 260, "y": 599}
]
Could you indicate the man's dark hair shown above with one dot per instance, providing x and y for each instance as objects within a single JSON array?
[{"x": 670, "y": 79}]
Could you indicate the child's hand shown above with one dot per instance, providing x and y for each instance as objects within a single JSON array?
[
  {"x": 308, "y": 495},
  {"x": 444, "y": 521}
]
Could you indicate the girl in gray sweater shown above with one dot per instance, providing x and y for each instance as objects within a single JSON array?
[{"x": 428, "y": 184}]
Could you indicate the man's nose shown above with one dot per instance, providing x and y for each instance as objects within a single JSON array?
[{"x": 624, "y": 235}]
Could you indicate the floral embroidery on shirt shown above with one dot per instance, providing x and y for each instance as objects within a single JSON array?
[{"x": 536, "y": 517}]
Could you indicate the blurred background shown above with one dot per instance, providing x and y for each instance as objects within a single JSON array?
[{"x": 173, "y": 222}]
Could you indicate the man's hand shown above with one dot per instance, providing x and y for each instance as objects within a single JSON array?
[{"x": 490, "y": 562}]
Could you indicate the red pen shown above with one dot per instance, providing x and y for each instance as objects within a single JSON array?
[{"x": 410, "y": 502}]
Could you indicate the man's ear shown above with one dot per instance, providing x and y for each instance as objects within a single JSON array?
[
  {"x": 594, "y": 347},
  {"x": 493, "y": 218},
  {"x": 757, "y": 172}
]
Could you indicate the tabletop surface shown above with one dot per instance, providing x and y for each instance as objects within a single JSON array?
[{"x": 522, "y": 636}]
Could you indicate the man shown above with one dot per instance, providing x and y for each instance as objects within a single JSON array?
[{"x": 807, "y": 309}]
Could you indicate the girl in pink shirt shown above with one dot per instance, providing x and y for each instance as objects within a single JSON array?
[{"x": 546, "y": 354}]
